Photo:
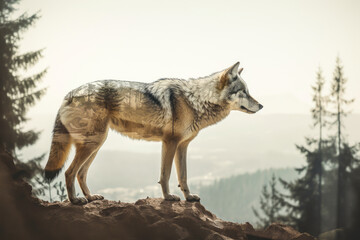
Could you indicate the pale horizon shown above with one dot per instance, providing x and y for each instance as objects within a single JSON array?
[{"x": 280, "y": 44}]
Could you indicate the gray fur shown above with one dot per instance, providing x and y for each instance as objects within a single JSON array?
[{"x": 169, "y": 110}]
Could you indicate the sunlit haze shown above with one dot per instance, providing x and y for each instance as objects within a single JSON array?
[{"x": 280, "y": 45}]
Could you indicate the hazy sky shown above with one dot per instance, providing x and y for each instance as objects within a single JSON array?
[{"x": 279, "y": 43}]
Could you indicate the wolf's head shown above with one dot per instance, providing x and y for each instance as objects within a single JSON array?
[{"x": 235, "y": 91}]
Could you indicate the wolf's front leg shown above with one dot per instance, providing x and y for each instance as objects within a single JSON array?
[
  {"x": 167, "y": 156},
  {"x": 180, "y": 161}
]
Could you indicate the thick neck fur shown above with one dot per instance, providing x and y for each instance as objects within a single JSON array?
[
  {"x": 201, "y": 94},
  {"x": 206, "y": 100}
]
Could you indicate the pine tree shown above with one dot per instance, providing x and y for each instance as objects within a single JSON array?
[
  {"x": 339, "y": 101},
  {"x": 354, "y": 205},
  {"x": 304, "y": 203},
  {"x": 331, "y": 162},
  {"x": 270, "y": 204},
  {"x": 17, "y": 93},
  {"x": 319, "y": 113}
]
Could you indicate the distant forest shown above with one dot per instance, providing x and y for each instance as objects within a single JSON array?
[{"x": 233, "y": 198}]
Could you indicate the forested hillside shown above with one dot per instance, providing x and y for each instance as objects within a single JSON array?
[{"x": 232, "y": 198}]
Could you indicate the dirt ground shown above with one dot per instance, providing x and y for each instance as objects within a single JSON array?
[{"x": 23, "y": 216}]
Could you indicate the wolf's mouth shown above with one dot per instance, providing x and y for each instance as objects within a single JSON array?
[{"x": 247, "y": 110}]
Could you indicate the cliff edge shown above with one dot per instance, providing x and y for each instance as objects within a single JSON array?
[{"x": 23, "y": 216}]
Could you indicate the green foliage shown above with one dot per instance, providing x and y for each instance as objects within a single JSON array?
[
  {"x": 17, "y": 93},
  {"x": 302, "y": 203},
  {"x": 320, "y": 101},
  {"x": 30, "y": 170},
  {"x": 337, "y": 94},
  {"x": 340, "y": 102},
  {"x": 60, "y": 190},
  {"x": 322, "y": 198},
  {"x": 271, "y": 204},
  {"x": 330, "y": 190},
  {"x": 45, "y": 189}
]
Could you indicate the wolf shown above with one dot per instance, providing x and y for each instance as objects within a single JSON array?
[{"x": 172, "y": 111}]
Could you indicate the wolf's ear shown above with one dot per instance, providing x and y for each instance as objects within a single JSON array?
[
  {"x": 240, "y": 70},
  {"x": 233, "y": 69},
  {"x": 228, "y": 74}
]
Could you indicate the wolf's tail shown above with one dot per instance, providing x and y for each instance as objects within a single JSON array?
[{"x": 59, "y": 151}]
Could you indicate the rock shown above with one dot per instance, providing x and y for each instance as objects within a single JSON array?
[
  {"x": 26, "y": 217},
  {"x": 280, "y": 231}
]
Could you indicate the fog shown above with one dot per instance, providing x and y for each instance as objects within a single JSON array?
[{"x": 280, "y": 44}]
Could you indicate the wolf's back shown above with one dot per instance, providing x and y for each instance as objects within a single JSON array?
[{"x": 60, "y": 147}]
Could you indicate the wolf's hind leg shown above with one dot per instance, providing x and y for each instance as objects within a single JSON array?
[
  {"x": 180, "y": 162},
  {"x": 167, "y": 156},
  {"x": 81, "y": 176},
  {"x": 83, "y": 152}
]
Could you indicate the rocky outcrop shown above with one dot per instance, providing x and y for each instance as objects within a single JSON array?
[{"x": 25, "y": 217}]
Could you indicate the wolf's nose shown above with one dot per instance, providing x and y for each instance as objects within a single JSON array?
[{"x": 260, "y": 106}]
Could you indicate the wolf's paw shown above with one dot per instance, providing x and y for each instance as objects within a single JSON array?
[
  {"x": 94, "y": 197},
  {"x": 193, "y": 198},
  {"x": 79, "y": 201},
  {"x": 172, "y": 197}
]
